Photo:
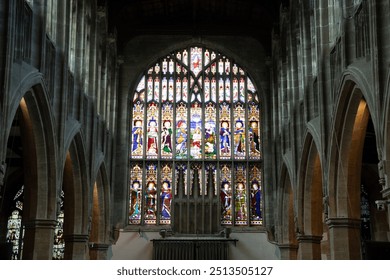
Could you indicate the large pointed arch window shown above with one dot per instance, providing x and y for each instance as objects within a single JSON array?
[{"x": 195, "y": 132}]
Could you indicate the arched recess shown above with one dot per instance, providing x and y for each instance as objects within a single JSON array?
[
  {"x": 349, "y": 134},
  {"x": 100, "y": 217},
  {"x": 76, "y": 201},
  {"x": 30, "y": 123},
  {"x": 312, "y": 233},
  {"x": 286, "y": 235}
]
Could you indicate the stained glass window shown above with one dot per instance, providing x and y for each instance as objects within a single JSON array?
[
  {"x": 59, "y": 242},
  {"x": 195, "y": 129},
  {"x": 15, "y": 230}
]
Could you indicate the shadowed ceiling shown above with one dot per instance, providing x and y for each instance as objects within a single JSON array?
[{"x": 253, "y": 18}]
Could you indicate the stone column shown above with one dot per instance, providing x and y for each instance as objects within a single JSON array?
[
  {"x": 76, "y": 246},
  {"x": 344, "y": 238},
  {"x": 386, "y": 196},
  {"x": 385, "y": 191},
  {"x": 98, "y": 251},
  {"x": 288, "y": 251},
  {"x": 309, "y": 247},
  {"x": 38, "y": 239}
]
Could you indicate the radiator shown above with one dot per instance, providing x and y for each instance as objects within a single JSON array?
[{"x": 191, "y": 249}]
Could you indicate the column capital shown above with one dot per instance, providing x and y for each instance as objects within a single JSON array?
[
  {"x": 98, "y": 246},
  {"x": 302, "y": 238},
  {"x": 343, "y": 222},
  {"x": 40, "y": 223},
  {"x": 76, "y": 238},
  {"x": 288, "y": 246}
]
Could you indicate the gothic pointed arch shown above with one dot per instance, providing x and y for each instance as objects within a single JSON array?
[
  {"x": 30, "y": 123},
  {"x": 75, "y": 187},
  {"x": 100, "y": 230},
  {"x": 195, "y": 144},
  {"x": 311, "y": 215},
  {"x": 347, "y": 191},
  {"x": 286, "y": 218}
]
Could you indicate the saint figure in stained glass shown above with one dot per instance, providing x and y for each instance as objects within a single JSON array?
[
  {"x": 226, "y": 199},
  {"x": 181, "y": 138},
  {"x": 166, "y": 137},
  {"x": 255, "y": 201},
  {"x": 152, "y": 137},
  {"x": 240, "y": 198},
  {"x": 166, "y": 197},
  {"x": 239, "y": 138},
  {"x": 150, "y": 198},
  {"x": 135, "y": 201},
  {"x": 225, "y": 138},
  {"x": 254, "y": 137},
  {"x": 137, "y": 137}
]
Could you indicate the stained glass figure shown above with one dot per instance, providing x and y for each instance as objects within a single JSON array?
[
  {"x": 206, "y": 57},
  {"x": 150, "y": 213},
  {"x": 225, "y": 132},
  {"x": 156, "y": 89},
  {"x": 170, "y": 90},
  {"x": 152, "y": 132},
  {"x": 165, "y": 66},
  {"x": 214, "y": 90},
  {"x": 164, "y": 91},
  {"x": 135, "y": 194},
  {"x": 166, "y": 198},
  {"x": 242, "y": 89},
  {"x": 137, "y": 138},
  {"x": 227, "y": 90},
  {"x": 166, "y": 133},
  {"x": 226, "y": 196},
  {"x": 150, "y": 202},
  {"x": 240, "y": 196},
  {"x": 239, "y": 132},
  {"x": 171, "y": 66},
  {"x": 235, "y": 90},
  {"x": 150, "y": 88},
  {"x": 196, "y": 131},
  {"x": 210, "y": 136},
  {"x": 225, "y": 139},
  {"x": 178, "y": 89},
  {"x": 137, "y": 130},
  {"x": 239, "y": 138},
  {"x": 181, "y": 131},
  {"x": 255, "y": 196}
]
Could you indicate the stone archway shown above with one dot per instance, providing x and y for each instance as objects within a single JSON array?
[
  {"x": 76, "y": 201},
  {"x": 36, "y": 168},
  {"x": 310, "y": 204},
  {"x": 286, "y": 234},
  {"x": 347, "y": 143},
  {"x": 99, "y": 231}
]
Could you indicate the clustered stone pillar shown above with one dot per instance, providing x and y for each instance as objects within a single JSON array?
[
  {"x": 76, "y": 246},
  {"x": 309, "y": 247},
  {"x": 344, "y": 236},
  {"x": 38, "y": 239},
  {"x": 98, "y": 251},
  {"x": 288, "y": 251}
]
